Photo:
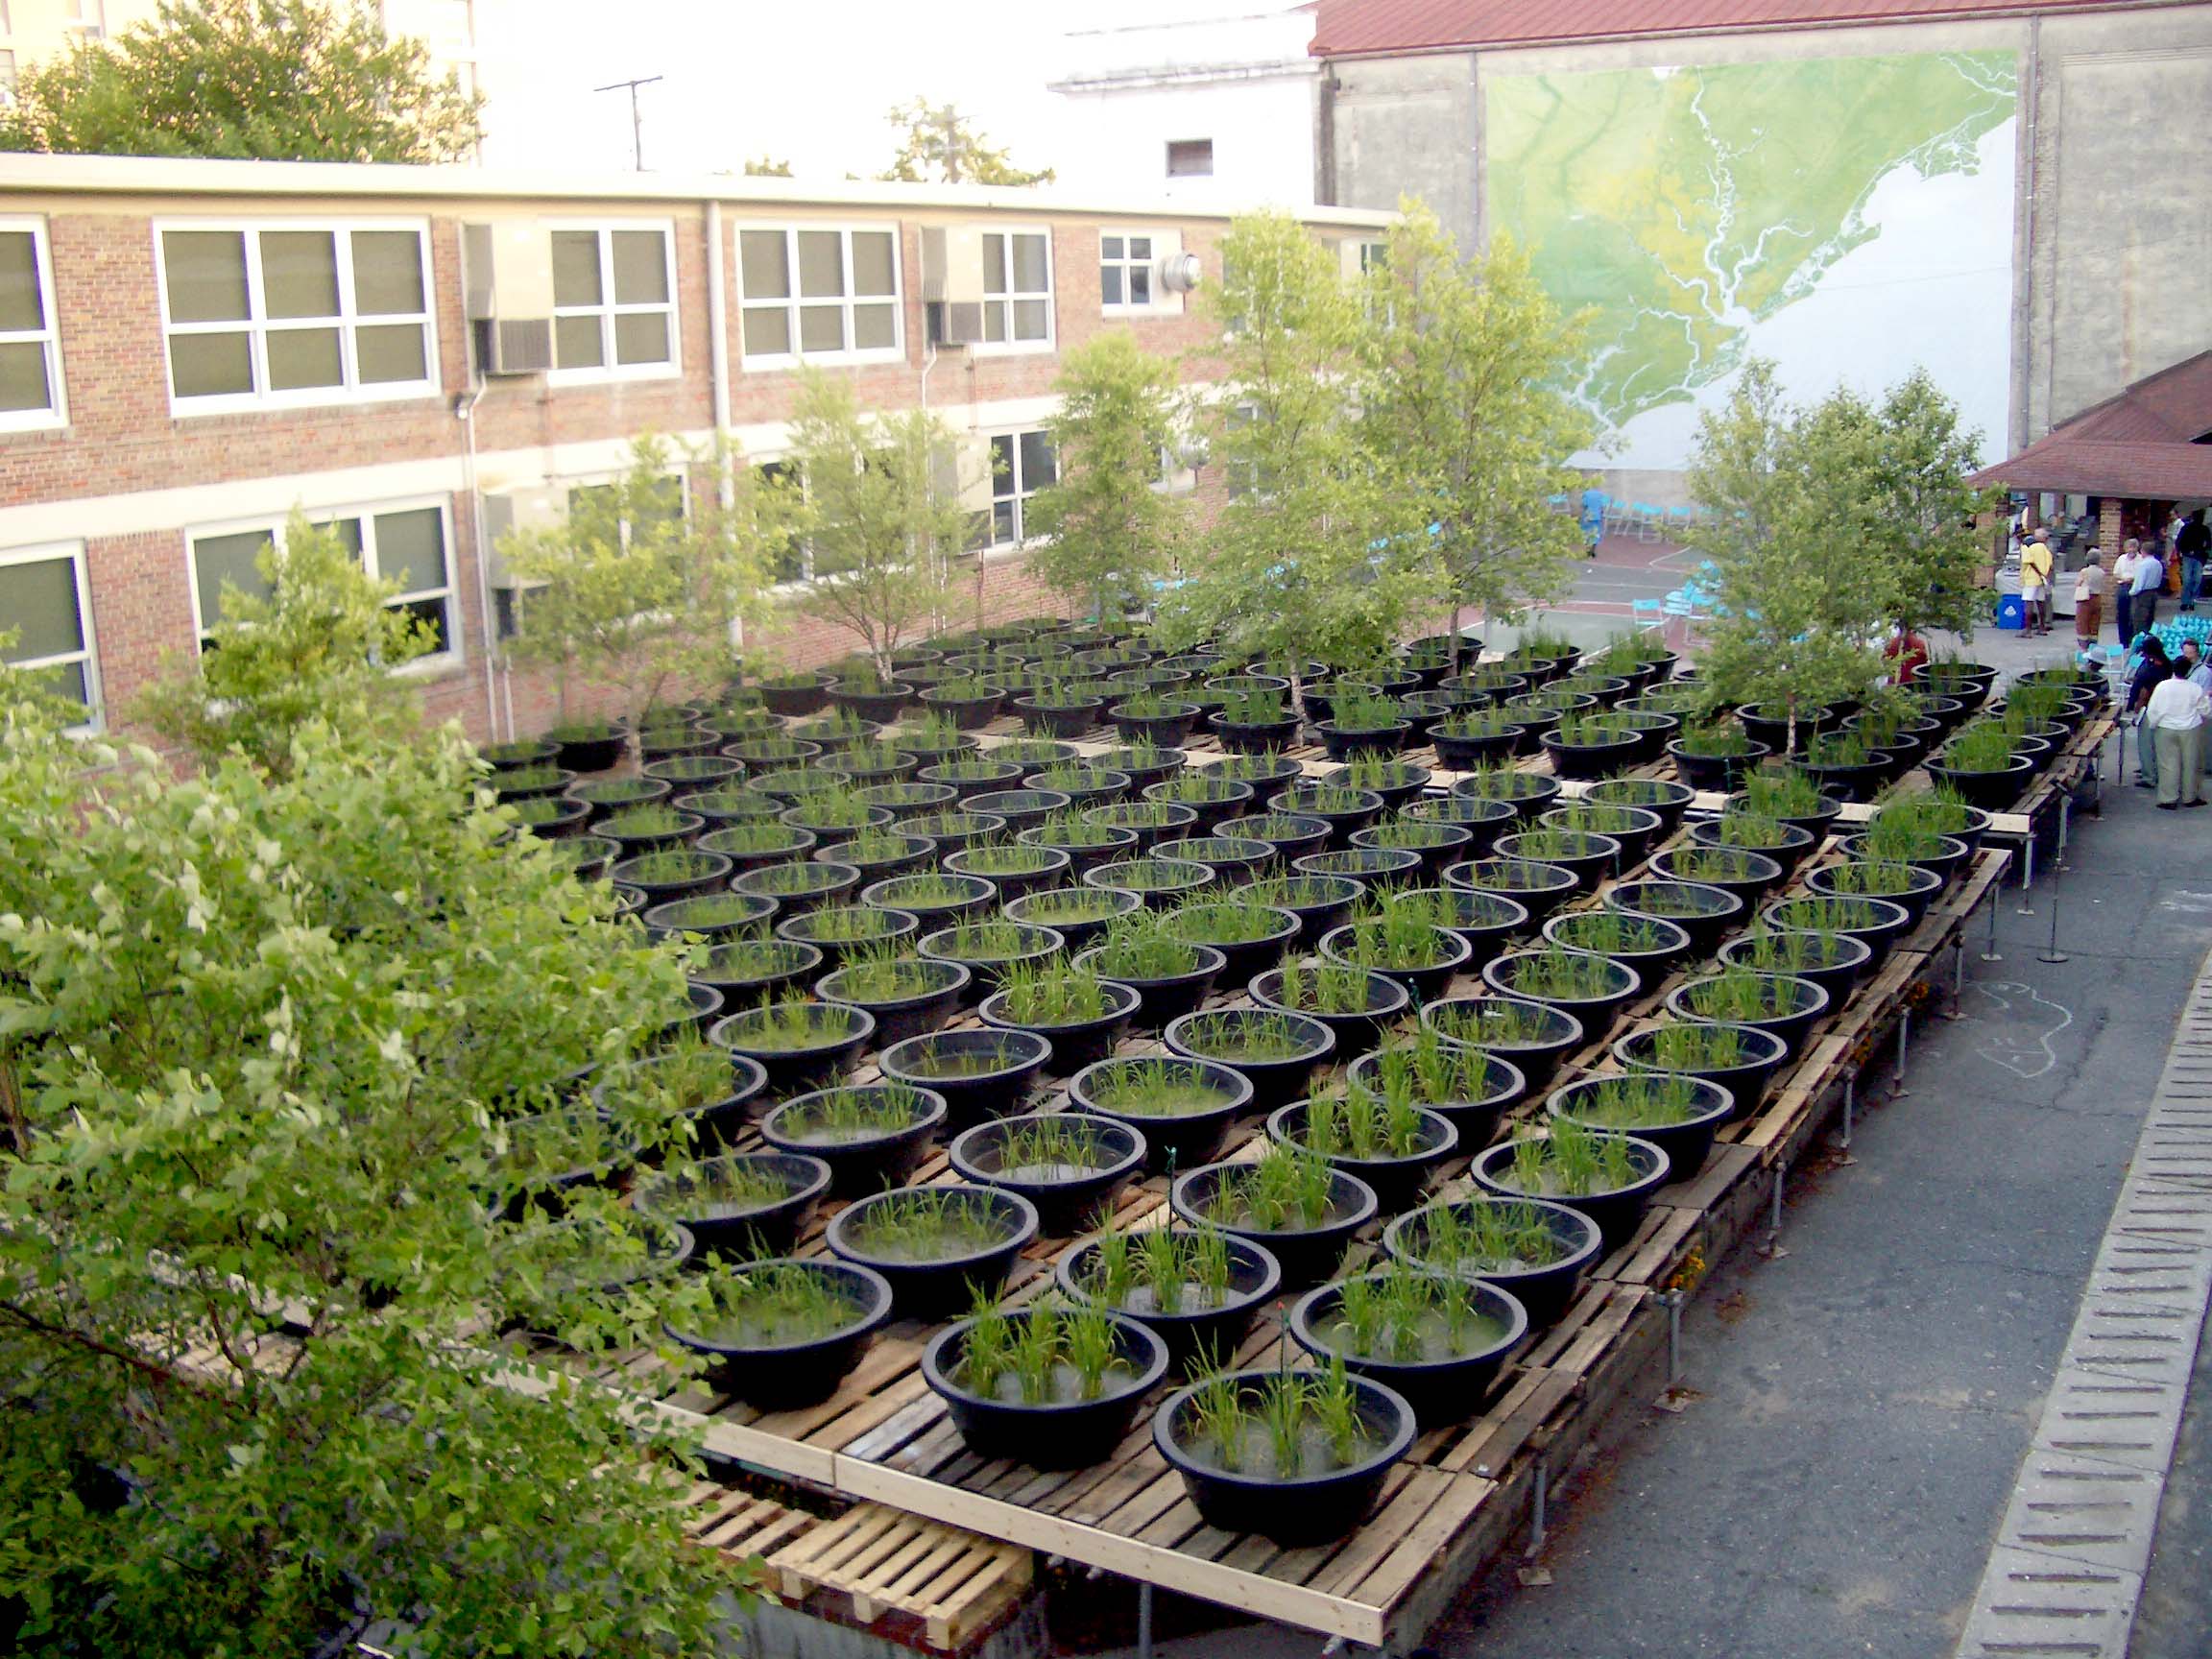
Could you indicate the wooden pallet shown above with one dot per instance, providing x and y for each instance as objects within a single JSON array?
[
  {"x": 741, "y": 1524},
  {"x": 884, "y": 1563}
]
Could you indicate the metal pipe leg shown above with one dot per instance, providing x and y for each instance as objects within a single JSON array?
[
  {"x": 1781, "y": 1174},
  {"x": 1958, "y": 973},
  {"x": 1145, "y": 1621},
  {"x": 1543, "y": 1493},
  {"x": 1850, "y": 1101},
  {"x": 2027, "y": 872},
  {"x": 1898, "y": 1088},
  {"x": 1989, "y": 903},
  {"x": 1673, "y": 1338}
]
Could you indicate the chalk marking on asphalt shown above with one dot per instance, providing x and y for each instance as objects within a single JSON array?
[
  {"x": 2181, "y": 899},
  {"x": 1991, "y": 989}
]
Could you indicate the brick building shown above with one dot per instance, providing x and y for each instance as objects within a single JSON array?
[{"x": 191, "y": 350}]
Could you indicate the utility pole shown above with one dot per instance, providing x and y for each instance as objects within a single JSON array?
[{"x": 636, "y": 127}]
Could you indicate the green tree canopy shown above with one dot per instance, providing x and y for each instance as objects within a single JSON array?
[
  {"x": 938, "y": 146},
  {"x": 315, "y": 650},
  {"x": 1463, "y": 373},
  {"x": 266, "y": 1044},
  {"x": 1107, "y": 527},
  {"x": 269, "y": 80},
  {"x": 1918, "y": 514}
]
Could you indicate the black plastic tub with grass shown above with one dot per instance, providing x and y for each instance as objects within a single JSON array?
[
  {"x": 1183, "y": 1108},
  {"x": 1610, "y": 1178},
  {"x": 1783, "y": 1004},
  {"x": 906, "y": 995},
  {"x": 1832, "y": 961},
  {"x": 1079, "y": 1014},
  {"x": 1470, "y": 1089},
  {"x": 939, "y": 1248},
  {"x": 1170, "y": 975},
  {"x": 1078, "y": 914},
  {"x": 1876, "y": 922},
  {"x": 799, "y": 1044},
  {"x": 1591, "y": 987},
  {"x": 981, "y": 1074},
  {"x": 1533, "y": 1037},
  {"x": 1676, "y": 1113},
  {"x": 1393, "y": 1148},
  {"x": 1355, "y": 1003},
  {"x": 1438, "y": 1340},
  {"x": 1734, "y": 870},
  {"x": 1741, "y": 1059},
  {"x": 1302, "y": 1209},
  {"x": 1649, "y": 944},
  {"x": 1071, "y": 1166},
  {"x": 782, "y": 1334},
  {"x": 940, "y": 898},
  {"x": 1701, "y": 911},
  {"x": 1277, "y": 1053},
  {"x": 707, "y": 1093},
  {"x": 741, "y": 1204},
  {"x": 750, "y": 970},
  {"x": 1044, "y": 1385},
  {"x": 871, "y": 1136},
  {"x": 843, "y": 931},
  {"x": 1196, "y": 1289},
  {"x": 1537, "y": 887},
  {"x": 1537, "y": 1250}
]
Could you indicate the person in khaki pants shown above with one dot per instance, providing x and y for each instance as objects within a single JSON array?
[{"x": 2175, "y": 716}]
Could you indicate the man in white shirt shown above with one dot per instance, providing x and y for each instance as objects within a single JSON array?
[
  {"x": 2124, "y": 590},
  {"x": 2195, "y": 666},
  {"x": 2149, "y": 583},
  {"x": 2175, "y": 716}
]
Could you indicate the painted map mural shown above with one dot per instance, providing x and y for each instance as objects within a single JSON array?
[{"x": 1848, "y": 217}]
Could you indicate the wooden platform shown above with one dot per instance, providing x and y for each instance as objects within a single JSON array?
[{"x": 884, "y": 1439}]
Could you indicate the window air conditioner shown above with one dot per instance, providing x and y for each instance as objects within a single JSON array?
[
  {"x": 507, "y": 282},
  {"x": 953, "y": 284},
  {"x": 523, "y": 507}
]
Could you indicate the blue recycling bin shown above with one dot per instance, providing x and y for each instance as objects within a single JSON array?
[{"x": 2012, "y": 612}]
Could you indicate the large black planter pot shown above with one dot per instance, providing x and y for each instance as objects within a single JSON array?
[
  {"x": 1341, "y": 745},
  {"x": 841, "y": 1032},
  {"x": 1342, "y": 815},
  {"x": 1068, "y": 1198},
  {"x": 1425, "y": 980},
  {"x": 1166, "y": 729},
  {"x": 1293, "y": 835},
  {"x": 1233, "y": 859},
  {"x": 1745, "y": 1080},
  {"x": 1036, "y": 945},
  {"x": 1100, "y": 844},
  {"x": 1052, "y": 1433},
  {"x": 1991, "y": 791},
  {"x": 1589, "y": 760},
  {"x": 1544, "y": 1289},
  {"x": 843, "y": 930},
  {"x": 1832, "y": 961},
  {"x": 1253, "y": 737},
  {"x": 1773, "y": 729},
  {"x": 871, "y": 702},
  {"x": 1635, "y": 827},
  {"x": 934, "y": 1287},
  {"x": 1058, "y": 907},
  {"x": 751, "y": 970},
  {"x": 1464, "y": 750},
  {"x": 1206, "y": 1098},
  {"x": 1294, "y": 1512},
  {"x": 1433, "y": 844},
  {"x": 1797, "y": 844},
  {"x": 980, "y": 1073},
  {"x": 1876, "y": 922},
  {"x": 1741, "y": 873},
  {"x": 1361, "y": 864},
  {"x": 1792, "y": 1007},
  {"x": 1527, "y": 793},
  {"x": 1596, "y": 1014},
  {"x": 1306, "y": 1255},
  {"x": 1968, "y": 683},
  {"x": 1356, "y": 1032},
  {"x": 1655, "y": 947},
  {"x": 1816, "y": 824},
  {"x": 1020, "y": 807},
  {"x": 941, "y": 900},
  {"x": 1394, "y": 1181},
  {"x": 972, "y": 776},
  {"x": 798, "y": 695},
  {"x": 1161, "y": 882},
  {"x": 1924, "y": 885},
  {"x": 1965, "y": 825},
  {"x": 1687, "y": 1143},
  {"x": 1199, "y": 1329},
  {"x": 1715, "y": 772},
  {"x": 593, "y": 753},
  {"x": 1059, "y": 719},
  {"x": 1213, "y": 799},
  {"x": 864, "y": 1159},
  {"x": 1075, "y": 1044},
  {"x": 1320, "y": 902},
  {"x": 774, "y": 1373},
  {"x": 929, "y": 994},
  {"x": 532, "y": 783},
  {"x": 1534, "y": 1037},
  {"x": 700, "y": 1197},
  {"x": 1537, "y": 887},
  {"x": 1164, "y": 1000},
  {"x": 1703, "y": 912},
  {"x": 1201, "y": 924},
  {"x": 968, "y": 712},
  {"x": 1589, "y": 858},
  {"x": 1474, "y": 1117},
  {"x": 716, "y": 1111},
  {"x": 1853, "y": 780},
  {"x": 1441, "y": 1389},
  {"x": 1617, "y": 1213},
  {"x": 1211, "y": 1035}
]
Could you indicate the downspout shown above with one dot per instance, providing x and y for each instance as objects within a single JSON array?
[
  {"x": 718, "y": 378},
  {"x": 465, "y": 408},
  {"x": 2024, "y": 291}
]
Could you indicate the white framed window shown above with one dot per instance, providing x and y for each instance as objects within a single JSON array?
[
  {"x": 47, "y": 604},
  {"x": 1126, "y": 278},
  {"x": 669, "y": 502},
  {"x": 1189, "y": 158},
  {"x": 810, "y": 292},
  {"x": 1243, "y": 478},
  {"x": 30, "y": 343},
  {"x": 266, "y": 314},
  {"x": 1017, "y": 290},
  {"x": 1022, "y": 463},
  {"x": 793, "y": 559},
  {"x": 614, "y": 301},
  {"x": 408, "y": 543}
]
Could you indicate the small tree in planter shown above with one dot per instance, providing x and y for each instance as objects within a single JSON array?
[
  {"x": 641, "y": 593},
  {"x": 1106, "y": 529},
  {"x": 1802, "y": 599},
  {"x": 883, "y": 513},
  {"x": 316, "y": 648},
  {"x": 1318, "y": 554},
  {"x": 1463, "y": 401}
]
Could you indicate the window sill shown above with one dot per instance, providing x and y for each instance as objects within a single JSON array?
[
  {"x": 197, "y": 408},
  {"x": 622, "y": 376},
  {"x": 1015, "y": 348},
  {"x": 786, "y": 363},
  {"x": 25, "y": 423},
  {"x": 444, "y": 666}
]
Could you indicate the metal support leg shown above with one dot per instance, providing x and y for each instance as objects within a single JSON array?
[
  {"x": 1781, "y": 1174},
  {"x": 1958, "y": 973},
  {"x": 1536, "y": 1520},
  {"x": 1144, "y": 1621},
  {"x": 1989, "y": 903},
  {"x": 2051, "y": 953},
  {"x": 2027, "y": 871},
  {"x": 1850, "y": 1103},
  {"x": 1673, "y": 1338},
  {"x": 1898, "y": 1088},
  {"x": 2065, "y": 824}
]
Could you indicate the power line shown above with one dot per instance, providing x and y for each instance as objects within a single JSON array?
[{"x": 636, "y": 127}]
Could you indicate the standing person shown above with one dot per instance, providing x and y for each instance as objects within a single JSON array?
[
  {"x": 2174, "y": 715},
  {"x": 2124, "y": 591},
  {"x": 1906, "y": 652},
  {"x": 1594, "y": 504},
  {"x": 2151, "y": 670},
  {"x": 2088, "y": 600},
  {"x": 2192, "y": 542},
  {"x": 2195, "y": 667},
  {"x": 2149, "y": 583},
  {"x": 2035, "y": 584}
]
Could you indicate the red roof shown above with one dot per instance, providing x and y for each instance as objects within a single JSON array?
[
  {"x": 1357, "y": 28},
  {"x": 2144, "y": 444}
]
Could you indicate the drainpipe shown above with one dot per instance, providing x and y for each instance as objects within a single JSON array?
[
  {"x": 718, "y": 378},
  {"x": 465, "y": 410},
  {"x": 2024, "y": 301}
]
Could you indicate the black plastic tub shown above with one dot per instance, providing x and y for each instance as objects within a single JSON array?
[
  {"x": 1434, "y": 842},
  {"x": 775, "y": 1370},
  {"x": 1596, "y": 1012},
  {"x": 1473, "y": 1113},
  {"x": 1321, "y": 904},
  {"x": 1919, "y": 885},
  {"x": 1305, "y": 1254},
  {"x": 1218, "y": 1034},
  {"x": 1395, "y": 1180},
  {"x": 1687, "y": 1142},
  {"x": 980, "y": 1073},
  {"x": 935, "y": 1283},
  {"x": 1451, "y": 953},
  {"x": 1197, "y": 1326},
  {"x": 1164, "y": 998},
  {"x": 1832, "y": 961},
  {"x": 713, "y": 1103},
  {"x": 710, "y": 916},
  {"x": 1075, "y": 1043},
  {"x": 1650, "y": 945},
  {"x": 1293, "y": 835},
  {"x": 1056, "y": 907},
  {"x": 841, "y": 1032},
  {"x": 1662, "y": 797},
  {"x": 1589, "y": 858},
  {"x": 1746, "y": 1078},
  {"x": 1534, "y": 1037},
  {"x": 700, "y": 1197},
  {"x": 1217, "y": 928},
  {"x": 1070, "y": 1195},
  {"x": 1792, "y": 1006},
  {"x": 1733, "y": 870},
  {"x": 984, "y": 960},
  {"x": 1704, "y": 912},
  {"x": 923, "y": 996},
  {"x": 1294, "y": 1511},
  {"x": 1537, "y": 887},
  {"x": 1876, "y": 922},
  {"x": 1183, "y": 1108},
  {"x": 1444, "y": 1389},
  {"x": 1545, "y": 1288},
  {"x": 1617, "y": 1212},
  {"x": 1355, "y": 1031},
  {"x": 1048, "y": 1433},
  {"x": 1795, "y": 845},
  {"x": 864, "y": 1156}
]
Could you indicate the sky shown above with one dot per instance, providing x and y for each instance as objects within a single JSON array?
[{"x": 805, "y": 80}]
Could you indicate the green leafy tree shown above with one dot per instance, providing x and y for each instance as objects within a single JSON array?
[
  {"x": 1802, "y": 599},
  {"x": 1918, "y": 519},
  {"x": 1464, "y": 367},
  {"x": 937, "y": 146},
  {"x": 767, "y": 167},
  {"x": 264, "y": 1041},
  {"x": 267, "y": 80},
  {"x": 1107, "y": 527},
  {"x": 882, "y": 513},
  {"x": 1318, "y": 554},
  {"x": 316, "y": 649},
  {"x": 641, "y": 593}
]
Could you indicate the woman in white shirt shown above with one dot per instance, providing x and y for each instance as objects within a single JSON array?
[{"x": 2175, "y": 716}]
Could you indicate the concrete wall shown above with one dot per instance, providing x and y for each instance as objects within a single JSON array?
[{"x": 1404, "y": 126}]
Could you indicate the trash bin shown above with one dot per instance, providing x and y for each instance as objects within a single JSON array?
[{"x": 2011, "y": 612}]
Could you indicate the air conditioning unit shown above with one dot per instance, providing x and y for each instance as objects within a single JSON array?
[
  {"x": 507, "y": 285},
  {"x": 953, "y": 284},
  {"x": 518, "y": 508}
]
